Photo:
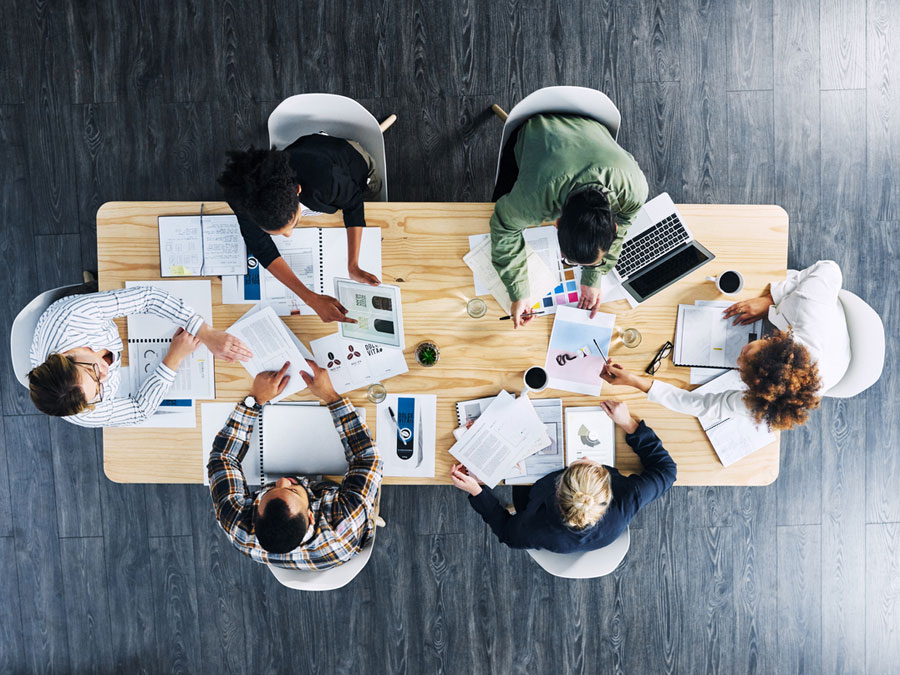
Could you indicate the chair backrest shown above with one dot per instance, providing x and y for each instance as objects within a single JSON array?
[
  {"x": 22, "y": 333},
  {"x": 325, "y": 580},
  {"x": 305, "y": 114},
  {"x": 866, "y": 347},
  {"x": 588, "y": 565},
  {"x": 568, "y": 100}
]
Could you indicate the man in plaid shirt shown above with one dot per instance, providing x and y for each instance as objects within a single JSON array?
[{"x": 296, "y": 522}]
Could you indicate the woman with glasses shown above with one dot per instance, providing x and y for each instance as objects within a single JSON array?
[
  {"x": 568, "y": 169},
  {"x": 76, "y": 355},
  {"x": 784, "y": 373}
]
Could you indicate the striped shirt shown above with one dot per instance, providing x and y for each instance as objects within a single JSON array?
[
  {"x": 87, "y": 321},
  {"x": 343, "y": 515}
]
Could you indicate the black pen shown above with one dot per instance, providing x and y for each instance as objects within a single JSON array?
[
  {"x": 509, "y": 316},
  {"x": 605, "y": 360}
]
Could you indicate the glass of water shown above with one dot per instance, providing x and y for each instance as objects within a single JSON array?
[
  {"x": 476, "y": 308},
  {"x": 376, "y": 393},
  {"x": 631, "y": 337}
]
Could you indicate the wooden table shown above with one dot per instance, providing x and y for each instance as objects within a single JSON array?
[{"x": 422, "y": 249}]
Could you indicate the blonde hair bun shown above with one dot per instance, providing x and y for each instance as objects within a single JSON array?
[{"x": 583, "y": 493}]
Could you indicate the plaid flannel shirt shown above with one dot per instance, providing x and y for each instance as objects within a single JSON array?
[{"x": 344, "y": 515}]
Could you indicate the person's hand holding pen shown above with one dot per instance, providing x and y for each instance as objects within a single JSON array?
[
  {"x": 617, "y": 375},
  {"x": 519, "y": 314},
  {"x": 464, "y": 480}
]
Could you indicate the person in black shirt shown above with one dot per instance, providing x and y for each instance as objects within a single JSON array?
[
  {"x": 583, "y": 507},
  {"x": 268, "y": 190}
]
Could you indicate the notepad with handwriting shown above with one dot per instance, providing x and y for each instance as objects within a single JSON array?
[{"x": 201, "y": 245}]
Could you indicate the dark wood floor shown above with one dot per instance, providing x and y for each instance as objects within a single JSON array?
[{"x": 793, "y": 102}]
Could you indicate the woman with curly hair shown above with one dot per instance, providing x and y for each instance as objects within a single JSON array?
[
  {"x": 269, "y": 191},
  {"x": 583, "y": 507},
  {"x": 785, "y": 372}
]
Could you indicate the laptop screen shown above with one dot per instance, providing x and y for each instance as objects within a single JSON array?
[{"x": 668, "y": 270}]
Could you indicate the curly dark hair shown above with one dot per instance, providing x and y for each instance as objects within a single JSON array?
[
  {"x": 783, "y": 382},
  {"x": 261, "y": 185}
]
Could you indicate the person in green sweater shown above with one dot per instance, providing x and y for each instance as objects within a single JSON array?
[{"x": 568, "y": 169}]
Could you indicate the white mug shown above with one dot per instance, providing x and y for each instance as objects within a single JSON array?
[
  {"x": 727, "y": 274},
  {"x": 536, "y": 372}
]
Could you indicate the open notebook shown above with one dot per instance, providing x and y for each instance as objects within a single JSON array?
[
  {"x": 201, "y": 245},
  {"x": 317, "y": 255},
  {"x": 289, "y": 439},
  {"x": 149, "y": 337}
]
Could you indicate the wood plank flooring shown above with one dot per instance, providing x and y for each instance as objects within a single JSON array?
[{"x": 749, "y": 101}]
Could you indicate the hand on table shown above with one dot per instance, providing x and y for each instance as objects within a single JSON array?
[
  {"x": 269, "y": 384},
  {"x": 363, "y": 277},
  {"x": 618, "y": 412},
  {"x": 329, "y": 309},
  {"x": 182, "y": 345},
  {"x": 591, "y": 297},
  {"x": 464, "y": 481},
  {"x": 748, "y": 311},
  {"x": 520, "y": 312},
  {"x": 224, "y": 345},
  {"x": 320, "y": 383}
]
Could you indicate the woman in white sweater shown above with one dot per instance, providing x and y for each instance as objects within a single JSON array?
[{"x": 786, "y": 372}]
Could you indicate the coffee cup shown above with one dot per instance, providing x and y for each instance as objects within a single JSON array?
[
  {"x": 729, "y": 282},
  {"x": 535, "y": 379}
]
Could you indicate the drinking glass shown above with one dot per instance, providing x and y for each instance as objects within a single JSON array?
[
  {"x": 476, "y": 308},
  {"x": 376, "y": 393}
]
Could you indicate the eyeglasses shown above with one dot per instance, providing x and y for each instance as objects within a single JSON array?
[
  {"x": 569, "y": 264},
  {"x": 95, "y": 373},
  {"x": 663, "y": 353}
]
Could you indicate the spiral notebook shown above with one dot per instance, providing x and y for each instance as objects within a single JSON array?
[
  {"x": 704, "y": 338},
  {"x": 317, "y": 255},
  {"x": 149, "y": 337},
  {"x": 289, "y": 439},
  {"x": 201, "y": 245}
]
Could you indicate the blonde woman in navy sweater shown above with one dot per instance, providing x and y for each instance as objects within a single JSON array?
[{"x": 581, "y": 508}]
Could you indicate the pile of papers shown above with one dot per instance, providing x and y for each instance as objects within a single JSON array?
[{"x": 506, "y": 433}]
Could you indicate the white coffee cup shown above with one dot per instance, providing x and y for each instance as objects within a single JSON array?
[
  {"x": 729, "y": 282},
  {"x": 533, "y": 377}
]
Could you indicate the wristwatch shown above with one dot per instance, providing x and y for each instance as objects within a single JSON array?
[{"x": 250, "y": 402}]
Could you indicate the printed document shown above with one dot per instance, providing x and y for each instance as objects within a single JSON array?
[
  {"x": 705, "y": 338},
  {"x": 541, "y": 278},
  {"x": 272, "y": 344}
]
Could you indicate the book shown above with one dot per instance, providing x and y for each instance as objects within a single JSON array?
[
  {"x": 198, "y": 246},
  {"x": 288, "y": 439},
  {"x": 732, "y": 438},
  {"x": 704, "y": 338},
  {"x": 317, "y": 255},
  {"x": 149, "y": 337}
]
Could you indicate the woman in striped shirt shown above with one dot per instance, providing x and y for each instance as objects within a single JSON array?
[{"x": 76, "y": 355}]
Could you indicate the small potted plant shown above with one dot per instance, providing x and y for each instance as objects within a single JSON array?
[{"x": 427, "y": 354}]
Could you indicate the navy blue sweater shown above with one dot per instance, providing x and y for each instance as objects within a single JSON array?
[{"x": 541, "y": 525}]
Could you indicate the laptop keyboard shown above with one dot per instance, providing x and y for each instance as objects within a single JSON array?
[{"x": 643, "y": 249}]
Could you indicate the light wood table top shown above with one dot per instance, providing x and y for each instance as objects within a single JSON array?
[{"x": 422, "y": 249}]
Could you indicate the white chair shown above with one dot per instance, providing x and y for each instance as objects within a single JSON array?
[
  {"x": 566, "y": 100},
  {"x": 305, "y": 114},
  {"x": 22, "y": 333},
  {"x": 866, "y": 347},
  {"x": 588, "y": 565},
  {"x": 330, "y": 579}
]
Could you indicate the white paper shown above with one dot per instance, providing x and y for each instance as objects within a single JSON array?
[
  {"x": 590, "y": 434},
  {"x": 377, "y": 309},
  {"x": 701, "y": 375},
  {"x": 186, "y": 249},
  {"x": 424, "y": 435},
  {"x": 149, "y": 338},
  {"x": 573, "y": 360},
  {"x": 172, "y": 413},
  {"x": 732, "y": 438},
  {"x": 551, "y": 458},
  {"x": 272, "y": 344},
  {"x": 352, "y": 364},
  {"x": 495, "y": 442},
  {"x": 541, "y": 278}
]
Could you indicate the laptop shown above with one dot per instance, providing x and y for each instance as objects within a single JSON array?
[{"x": 658, "y": 250}]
